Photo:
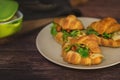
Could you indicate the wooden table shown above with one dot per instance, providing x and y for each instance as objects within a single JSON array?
[{"x": 20, "y": 59}]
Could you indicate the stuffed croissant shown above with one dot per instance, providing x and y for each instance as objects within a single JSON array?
[
  {"x": 65, "y": 28},
  {"x": 107, "y": 32},
  {"x": 84, "y": 50}
]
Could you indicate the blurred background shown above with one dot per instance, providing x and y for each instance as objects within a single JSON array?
[
  {"x": 49, "y": 8},
  {"x": 33, "y": 9}
]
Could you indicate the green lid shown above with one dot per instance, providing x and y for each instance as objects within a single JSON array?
[{"x": 8, "y": 8}]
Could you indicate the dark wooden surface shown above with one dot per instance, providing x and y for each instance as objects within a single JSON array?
[{"x": 20, "y": 59}]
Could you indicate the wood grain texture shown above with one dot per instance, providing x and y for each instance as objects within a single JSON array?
[
  {"x": 101, "y": 8},
  {"x": 20, "y": 59}
]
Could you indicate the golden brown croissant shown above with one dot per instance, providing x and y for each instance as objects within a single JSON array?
[
  {"x": 69, "y": 23},
  {"x": 107, "y": 31},
  {"x": 84, "y": 50},
  {"x": 108, "y": 42},
  {"x": 65, "y": 28}
]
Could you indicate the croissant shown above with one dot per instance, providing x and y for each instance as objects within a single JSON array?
[
  {"x": 84, "y": 50},
  {"x": 69, "y": 23},
  {"x": 64, "y": 28},
  {"x": 107, "y": 32}
]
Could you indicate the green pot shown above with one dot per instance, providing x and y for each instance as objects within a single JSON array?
[{"x": 12, "y": 26}]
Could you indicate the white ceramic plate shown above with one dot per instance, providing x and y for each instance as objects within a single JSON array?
[{"x": 51, "y": 50}]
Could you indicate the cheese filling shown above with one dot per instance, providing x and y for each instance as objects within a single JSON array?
[
  {"x": 116, "y": 35},
  {"x": 93, "y": 56}
]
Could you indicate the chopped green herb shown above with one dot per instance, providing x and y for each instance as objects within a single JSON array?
[
  {"x": 74, "y": 33},
  {"x": 107, "y": 36},
  {"x": 53, "y": 29},
  {"x": 92, "y": 31},
  {"x": 67, "y": 48},
  {"x": 83, "y": 51},
  {"x": 65, "y": 35}
]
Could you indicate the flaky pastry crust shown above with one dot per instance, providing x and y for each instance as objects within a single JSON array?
[
  {"x": 73, "y": 57},
  {"x": 69, "y": 23},
  {"x": 106, "y": 25}
]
